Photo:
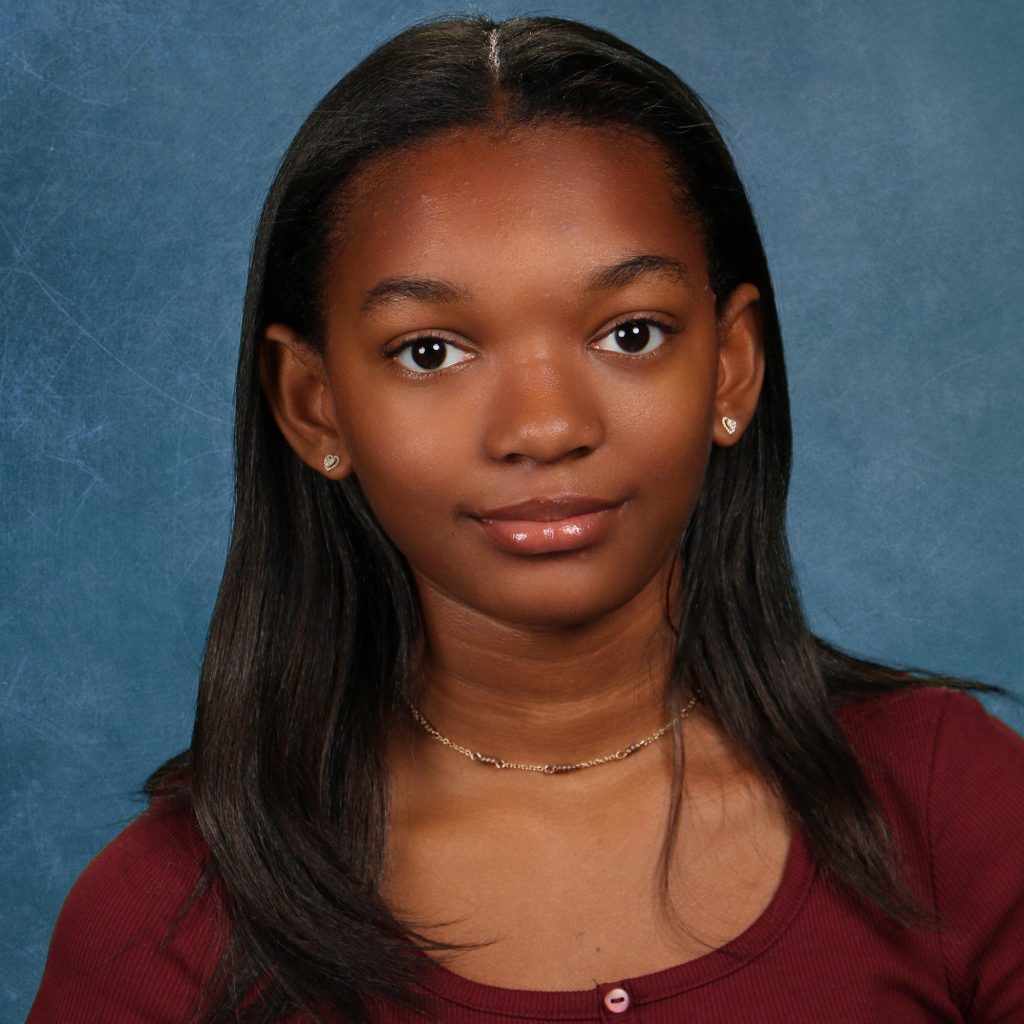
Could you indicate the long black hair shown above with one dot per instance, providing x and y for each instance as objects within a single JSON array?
[{"x": 311, "y": 649}]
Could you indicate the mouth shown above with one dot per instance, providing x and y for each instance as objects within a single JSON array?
[{"x": 549, "y": 525}]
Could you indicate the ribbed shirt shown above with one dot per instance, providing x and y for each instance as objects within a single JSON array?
[{"x": 949, "y": 778}]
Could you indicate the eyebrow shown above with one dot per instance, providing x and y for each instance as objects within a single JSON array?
[{"x": 438, "y": 292}]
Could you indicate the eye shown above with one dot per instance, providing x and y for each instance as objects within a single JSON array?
[
  {"x": 636, "y": 337},
  {"x": 425, "y": 355}
]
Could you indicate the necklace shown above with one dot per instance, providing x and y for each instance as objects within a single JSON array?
[{"x": 554, "y": 769}]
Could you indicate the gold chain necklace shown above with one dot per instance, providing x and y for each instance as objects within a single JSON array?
[{"x": 554, "y": 769}]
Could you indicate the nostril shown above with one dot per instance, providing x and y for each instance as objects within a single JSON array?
[{"x": 514, "y": 458}]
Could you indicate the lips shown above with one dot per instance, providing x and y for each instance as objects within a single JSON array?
[
  {"x": 549, "y": 509},
  {"x": 550, "y": 525}
]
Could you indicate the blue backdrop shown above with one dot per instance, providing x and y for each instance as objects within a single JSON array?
[{"x": 881, "y": 143}]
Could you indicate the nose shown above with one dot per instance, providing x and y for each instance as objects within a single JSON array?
[{"x": 542, "y": 411}]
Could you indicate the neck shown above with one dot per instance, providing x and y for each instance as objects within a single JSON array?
[{"x": 543, "y": 696}]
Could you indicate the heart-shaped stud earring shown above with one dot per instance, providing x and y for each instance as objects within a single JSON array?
[
  {"x": 730, "y": 424},
  {"x": 330, "y": 461}
]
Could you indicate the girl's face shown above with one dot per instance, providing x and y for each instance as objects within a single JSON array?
[{"x": 516, "y": 319}]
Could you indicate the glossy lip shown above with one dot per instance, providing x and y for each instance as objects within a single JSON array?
[{"x": 543, "y": 526}]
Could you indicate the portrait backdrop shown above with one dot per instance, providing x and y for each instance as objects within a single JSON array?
[{"x": 881, "y": 145}]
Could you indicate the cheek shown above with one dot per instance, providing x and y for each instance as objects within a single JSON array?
[
  {"x": 673, "y": 488},
  {"x": 408, "y": 473},
  {"x": 675, "y": 481},
  {"x": 668, "y": 432}
]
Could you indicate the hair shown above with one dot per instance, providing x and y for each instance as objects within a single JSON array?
[{"x": 311, "y": 650}]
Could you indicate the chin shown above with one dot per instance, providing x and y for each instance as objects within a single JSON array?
[{"x": 553, "y": 607}]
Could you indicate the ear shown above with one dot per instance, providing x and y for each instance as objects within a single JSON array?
[
  {"x": 740, "y": 363},
  {"x": 295, "y": 384}
]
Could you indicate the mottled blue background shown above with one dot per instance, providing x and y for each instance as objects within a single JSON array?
[{"x": 883, "y": 148}]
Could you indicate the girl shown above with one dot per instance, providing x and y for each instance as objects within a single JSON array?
[{"x": 508, "y": 708}]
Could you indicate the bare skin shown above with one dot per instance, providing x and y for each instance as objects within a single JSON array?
[
  {"x": 563, "y": 877},
  {"x": 558, "y": 656}
]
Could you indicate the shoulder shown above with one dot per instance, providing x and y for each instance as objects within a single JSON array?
[
  {"x": 136, "y": 885},
  {"x": 137, "y": 936},
  {"x": 926, "y": 733},
  {"x": 930, "y": 753},
  {"x": 952, "y": 776}
]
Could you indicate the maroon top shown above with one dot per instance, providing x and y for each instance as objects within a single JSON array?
[{"x": 950, "y": 778}]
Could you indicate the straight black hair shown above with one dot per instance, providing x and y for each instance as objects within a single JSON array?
[{"x": 311, "y": 648}]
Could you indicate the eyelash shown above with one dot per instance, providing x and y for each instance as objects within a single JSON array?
[{"x": 667, "y": 329}]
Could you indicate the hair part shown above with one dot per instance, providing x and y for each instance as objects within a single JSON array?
[{"x": 312, "y": 646}]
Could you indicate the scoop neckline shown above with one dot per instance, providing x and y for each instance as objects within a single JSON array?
[{"x": 577, "y": 1004}]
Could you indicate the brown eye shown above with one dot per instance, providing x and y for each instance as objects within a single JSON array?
[
  {"x": 635, "y": 337},
  {"x": 424, "y": 355}
]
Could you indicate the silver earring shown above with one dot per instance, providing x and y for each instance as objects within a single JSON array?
[
  {"x": 730, "y": 424},
  {"x": 330, "y": 461}
]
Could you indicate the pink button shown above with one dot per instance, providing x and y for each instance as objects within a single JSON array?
[{"x": 616, "y": 1000}]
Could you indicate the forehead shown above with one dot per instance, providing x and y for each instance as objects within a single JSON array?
[{"x": 535, "y": 206}]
